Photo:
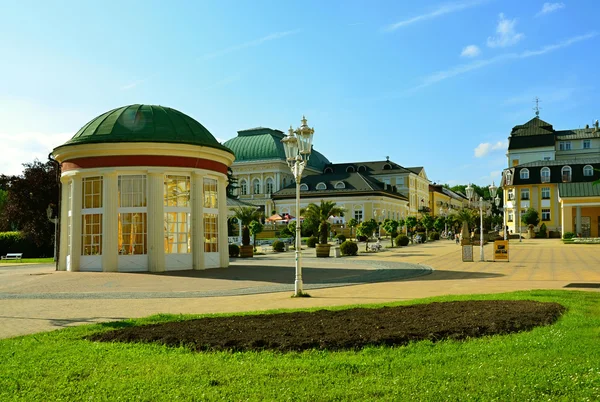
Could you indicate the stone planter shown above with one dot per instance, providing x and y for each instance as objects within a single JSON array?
[
  {"x": 323, "y": 250},
  {"x": 246, "y": 251}
]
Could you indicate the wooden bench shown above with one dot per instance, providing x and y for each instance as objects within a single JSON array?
[{"x": 13, "y": 256}]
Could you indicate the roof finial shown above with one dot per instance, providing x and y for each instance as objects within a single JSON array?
[
  {"x": 537, "y": 107},
  {"x": 387, "y": 158}
]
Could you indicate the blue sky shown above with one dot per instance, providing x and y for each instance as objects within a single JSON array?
[{"x": 427, "y": 83}]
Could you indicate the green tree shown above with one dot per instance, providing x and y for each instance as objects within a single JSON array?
[
  {"x": 29, "y": 195},
  {"x": 255, "y": 228},
  {"x": 245, "y": 215},
  {"x": 352, "y": 223},
  {"x": 391, "y": 227},
  {"x": 321, "y": 213},
  {"x": 401, "y": 223},
  {"x": 231, "y": 183},
  {"x": 530, "y": 217},
  {"x": 439, "y": 223},
  {"x": 427, "y": 222},
  {"x": 290, "y": 230},
  {"x": 366, "y": 229},
  {"x": 410, "y": 222}
]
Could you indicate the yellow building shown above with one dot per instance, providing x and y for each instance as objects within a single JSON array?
[
  {"x": 443, "y": 201},
  {"x": 367, "y": 190}
]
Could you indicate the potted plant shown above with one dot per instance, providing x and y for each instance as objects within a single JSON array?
[
  {"x": 245, "y": 215},
  {"x": 320, "y": 214}
]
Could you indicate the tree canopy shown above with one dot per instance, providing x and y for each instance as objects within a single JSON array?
[{"x": 27, "y": 198}]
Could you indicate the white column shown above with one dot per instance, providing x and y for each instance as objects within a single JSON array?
[
  {"x": 110, "y": 226},
  {"x": 277, "y": 182},
  {"x": 64, "y": 219},
  {"x": 222, "y": 222},
  {"x": 75, "y": 223},
  {"x": 198, "y": 220},
  {"x": 156, "y": 229}
]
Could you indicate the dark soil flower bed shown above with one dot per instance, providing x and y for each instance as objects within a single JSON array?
[{"x": 345, "y": 329}]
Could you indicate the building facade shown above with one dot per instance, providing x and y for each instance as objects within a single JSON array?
[
  {"x": 143, "y": 188},
  {"x": 552, "y": 171}
]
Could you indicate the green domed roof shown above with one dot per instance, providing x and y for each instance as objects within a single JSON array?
[
  {"x": 145, "y": 123},
  {"x": 263, "y": 144}
]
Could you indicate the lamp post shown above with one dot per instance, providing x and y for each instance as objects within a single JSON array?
[
  {"x": 469, "y": 190},
  {"x": 55, "y": 221},
  {"x": 444, "y": 214},
  {"x": 497, "y": 202},
  {"x": 298, "y": 146}
]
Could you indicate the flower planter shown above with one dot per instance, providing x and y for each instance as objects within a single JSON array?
[
  {"x": 323, "y": 250},
  {"x": 246, "y": 251}
]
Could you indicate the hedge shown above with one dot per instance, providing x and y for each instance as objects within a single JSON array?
[{"x": 16, "y": 242}]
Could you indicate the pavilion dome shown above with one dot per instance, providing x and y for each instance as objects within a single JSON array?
[
  {"x": 145, "y": 123},
  {"x": 262, "y": 143}
]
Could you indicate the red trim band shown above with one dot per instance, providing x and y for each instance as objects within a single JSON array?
[{"x": 143, "y": 160}]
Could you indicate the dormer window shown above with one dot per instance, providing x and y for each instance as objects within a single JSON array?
[
  {"x": 328, "y": 170},
  {"x": 303, "y": 187},
  {"x": 321, "y": 186},
  {"x": 545, "y": 174},
  {"x": 566, "y": 174},
  {"x": 362, "y": 169},
  {"x": 339, "y": 185},
  {"x": 524, "y": 174},
  {"x": 508, "y": 177},
  {"x": 588, "y": 170},
  {"x": 350, "y": 169},
  {"x": 387, "y": 166}
]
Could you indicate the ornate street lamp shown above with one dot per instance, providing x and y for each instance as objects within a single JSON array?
[
  {"x": 298, "y": 146},
  {"x": 54, "y": 220},
  {"x": 469, "y": 190}
]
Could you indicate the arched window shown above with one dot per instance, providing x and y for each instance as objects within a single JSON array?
[
  {"x": 588, "y": 170},
  {"x": 340, "y": 184},
  {"x": 350, "y": 169},
  {"x": 255, "y": 186},
  {"x": 545, "y": 174},
  {"x": 566, "y": 173},
  {"x": 243, "y": 187},
  {"x": 321, "y": 186},
  {"x": 269, "y": 186},
  {"x": 362, "y": 169},
  {"x": 524, "y": 174},
  {"x": 328, "y": 170},
  {"x": 387, "y": 166},
  {"x": 303, "y": 187}
]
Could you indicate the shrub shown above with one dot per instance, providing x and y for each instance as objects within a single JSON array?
[
  {"x": 16, "y": 242},
  {"x": 402, "y": 240},
  {"x": 278, "y": 246},
  {"x": 542, "y": 232},
  {"x": 312, "y": 241},
  {"x": 349, "y": 248},
  {"x": 568, "y": 235},
  {"x": 341, "y": 238},
  {"x": 234, "y": 250},
  {"x": 361, "y": 238},
  {"x": 434, "y": 236}
]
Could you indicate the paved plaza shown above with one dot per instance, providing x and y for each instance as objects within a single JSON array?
[{"x": 37, "y": 298}]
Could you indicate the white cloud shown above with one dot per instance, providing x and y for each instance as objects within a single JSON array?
[
  {"x": 475, "y": 65},
  {"x": 506, "y": 34},
  {"x": 486, "y": 147},
  {"x": 441, "y": 10},
  {"x": 548, "y": 8},
  {"x": 256, "y": 42},
  {"x": 471, "y": 51},
  {"x": 25, "y": 147},
  {"x": 131, "y": 85}
]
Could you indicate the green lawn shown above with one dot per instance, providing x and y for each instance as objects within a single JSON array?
[
  {"x": 558, "y": 362},
  {"x": 49, "y": 260}
]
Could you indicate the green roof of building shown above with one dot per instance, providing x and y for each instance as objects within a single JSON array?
[
  {"x": 145, "y": 123},
  {"x": 261, "y": 143},
  {"x": 578, "y": 190},
  {"x": 535, "y": 126}
]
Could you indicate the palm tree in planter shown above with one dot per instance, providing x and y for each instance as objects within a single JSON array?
[
  {"x": 245, "y": 215},
  {"x": 321, "y": 213}
]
